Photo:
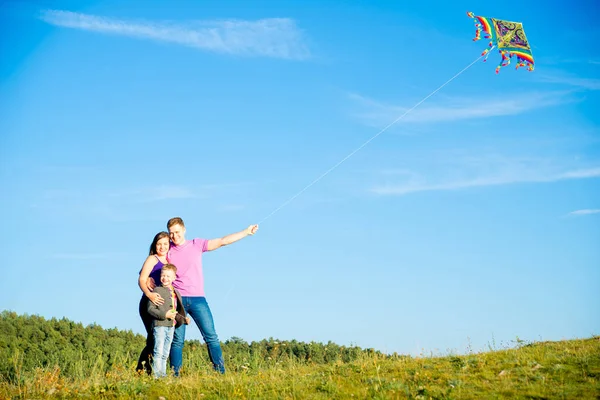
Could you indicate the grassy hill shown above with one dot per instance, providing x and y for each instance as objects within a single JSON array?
[{"x": 42, "y": 359}]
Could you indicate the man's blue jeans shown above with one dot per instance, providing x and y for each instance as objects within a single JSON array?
[{"x": 197, "y": 308}]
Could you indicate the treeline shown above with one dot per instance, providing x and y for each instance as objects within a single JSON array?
[{"x": 28, "y": 342}]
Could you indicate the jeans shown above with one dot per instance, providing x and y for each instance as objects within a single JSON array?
[
  {"x": 145, "y": 360},
  {"x": 163, "y": 336},
  {"x": 197, "y": 308}
]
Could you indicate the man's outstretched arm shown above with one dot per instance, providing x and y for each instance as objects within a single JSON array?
[{"x": 214, "y": 244}]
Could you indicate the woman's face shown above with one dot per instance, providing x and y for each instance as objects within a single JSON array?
[{"x": 162, "y": 246}]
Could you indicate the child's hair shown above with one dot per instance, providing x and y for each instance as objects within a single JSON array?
[
  {"x": 175, "y": 221},
  {"x": 169, "y": 267}
]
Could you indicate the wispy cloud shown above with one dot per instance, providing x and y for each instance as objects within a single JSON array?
[
  {"x": 132, "y": 195},
  {"x": 231, "y": 207},
  {"x": 168, "y": 193},
  {"x": 453, "y": 109},
  {"x": 176, "y": 192},
  {"x": 132, "y": 203},
  {"x": 82, "y": 256},
  {"x": 159, "y": 193},
  {"x": 579, "y": 174},
  {"x": 560, "y": 61},
  {"x": 145, "y": 194},
  {"x": 579, "y": 213},
  {"x": 271, "y": 37},
  {"x": 418, "y": 184},
  {"x": 571, "y": 80}
]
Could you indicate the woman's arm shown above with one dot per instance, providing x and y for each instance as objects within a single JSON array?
[
  {"x": 143, "y": 281},
  {"x": 158, "y": 311}
]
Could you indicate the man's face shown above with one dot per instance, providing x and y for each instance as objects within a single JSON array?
[{"x": 177, "y": 234}]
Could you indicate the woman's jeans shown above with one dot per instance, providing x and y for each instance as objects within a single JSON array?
[
  {"x": 163, "y": 336},
  {"x": 145, "y": 360},
  {"x": 197, "y": 308}
]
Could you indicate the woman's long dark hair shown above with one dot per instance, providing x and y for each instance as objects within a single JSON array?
[{"x": 158, "y": 236}]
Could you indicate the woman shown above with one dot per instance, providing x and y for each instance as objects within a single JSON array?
[{"x": 151, "y": 269}]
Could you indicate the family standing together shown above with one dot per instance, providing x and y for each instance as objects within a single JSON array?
[{"x": 173, "y": 284}]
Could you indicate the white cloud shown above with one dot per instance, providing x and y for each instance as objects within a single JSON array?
[
  {"x": 416, "y": 184},
  {"x": 137, "y": 195},
  {"x": 454, "y": 109},
  {"x": 581, "y": 173},
  {"x": 560, "y": 61},
  {"x": 81, "y": 256},
  {"x": 168, "y": 193},
  {"x": 271, "y": 37},
  {"x": 175, "y": 192},
  {"x": 584, "y": 212},
  {"x": 571, "y": 80},
  {"x": 231, "y": 207},
  {"x": 144, "y": 194},
  {"x": 133, "y": 203}
]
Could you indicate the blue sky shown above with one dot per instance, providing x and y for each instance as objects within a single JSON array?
[{"x": 475, "y": 219}]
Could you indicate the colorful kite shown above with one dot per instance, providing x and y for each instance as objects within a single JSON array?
[{"x": 508, "y": 36}]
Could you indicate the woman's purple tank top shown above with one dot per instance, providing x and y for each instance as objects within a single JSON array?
[{"x": 155, "y": 273}]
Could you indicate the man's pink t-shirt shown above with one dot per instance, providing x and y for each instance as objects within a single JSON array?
[{"x": 188, "y": 260}]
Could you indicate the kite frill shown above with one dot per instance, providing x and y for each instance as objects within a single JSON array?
[
  {"x": 506, "y": 56},
  {"x": 481, "y": 25},
  {"x": 486, "y": 52},
  {"x": 525, "y": 63},
  {"x": 478, "y": 27},
  {"x": 524, "y": 60}
]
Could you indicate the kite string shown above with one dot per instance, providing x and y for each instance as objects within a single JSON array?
[{"x": 367, "y": 142}]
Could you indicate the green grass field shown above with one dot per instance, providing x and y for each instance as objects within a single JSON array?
[{"x": 545, "y": 370}]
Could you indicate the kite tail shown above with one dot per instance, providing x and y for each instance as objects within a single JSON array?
[
  {"x": 525, "y": 60},
  {"x": 525, "y": 63},
  {"x": 506, "y": 56},
  {"x": 486, "y": 52},
  {"x": 477, "y": 26}
]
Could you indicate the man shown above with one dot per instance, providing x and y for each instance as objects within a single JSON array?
[{"x": 186, "y": 255}]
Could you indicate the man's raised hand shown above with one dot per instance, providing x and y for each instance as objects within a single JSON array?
[{"x": 251, "y": 230}]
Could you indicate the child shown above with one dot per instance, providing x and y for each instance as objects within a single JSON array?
[{"x": 167, "y": 316}]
